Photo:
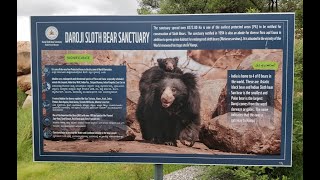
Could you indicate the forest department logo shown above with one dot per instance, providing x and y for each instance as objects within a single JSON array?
[{"x": 51, "y": 33}]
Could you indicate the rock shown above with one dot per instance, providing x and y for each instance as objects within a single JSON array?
[
  {"x": 133, "y": 92},
  {"x": 27, "y": 102},
  {"x": 222, "y": 106},
  {"x": 206, "y": 57},
  {"x": 275, "y": 55},
  {"x": 130, "y": 135},
  {"x": 131, "y": 119},
  {"x": 24, "y": 82},
  {"x": 210, "y": 91},
  {"x": 278, "y": 104},
  {"x": 260, "y": 137},
  {"x": 23, "y": 46},
  {"x": 29, "y": 92},
  {"x": 214, "y": 73},
  {"x": 221, "y": 58},
  {"x": 246, "y": 64},
  {"x": 23, "y": 63}
]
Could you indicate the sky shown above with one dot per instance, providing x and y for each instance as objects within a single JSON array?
[{"x": 27, "y": 8}]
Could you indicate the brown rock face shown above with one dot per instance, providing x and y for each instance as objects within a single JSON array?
[
  {"x": 222, "y": 104},
  {"x": 274, "y": 55},
  {"x": 131, "y": 119},
  {"x": 260, "y": 137},
  {"x": 210, "y": 91},
  {"x": 23, "y": 63},
  {"x": 220, "y": 58},
  {"x": 23, "y": 46},
  {"x": 27, "y": 102},
  {"x": 130, "y": 135},
  {"x": 24, "y": 82}
]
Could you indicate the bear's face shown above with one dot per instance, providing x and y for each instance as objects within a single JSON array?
[
  {"x": 171, "y": 91},
  {"x": 168, "y": 64}
]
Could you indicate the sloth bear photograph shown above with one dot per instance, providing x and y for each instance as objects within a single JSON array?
[
  {"x": 168, "y": 107},
  {"x": 152, "y": 75},
  {"x": 169, "y": 65}
]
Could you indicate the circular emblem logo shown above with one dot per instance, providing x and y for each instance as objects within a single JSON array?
[
  {"x": 51, "y": 33},
  {"x": 47, "y": 133},
  {"x": 47, "y": 122}
]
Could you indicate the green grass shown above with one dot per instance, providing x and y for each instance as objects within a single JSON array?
[
  {"x": 24, "y": 134},
  {"x": 27, "y": 169},
  {"x": 21, "y": 96},
  {"x": 84, "y": 171}
]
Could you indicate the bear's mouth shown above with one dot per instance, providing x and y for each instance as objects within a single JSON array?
[
  {"x": 170, "y": 69},
  {"x": 166, "y": 104}
]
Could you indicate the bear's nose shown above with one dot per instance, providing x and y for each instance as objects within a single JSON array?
[
  {"x": 164, "y": 100},
  {"x": 170, "y": 67}
]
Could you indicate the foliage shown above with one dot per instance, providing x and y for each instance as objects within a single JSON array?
[
  {"x": 21, "y": 96},
  {"x": 297, "y": 7},
  {"x": 222, "y": 6},
  {"x": 252, "y": 10},
  {"x": 24, "y": 134},
  {"x": 298, "y": 66}
]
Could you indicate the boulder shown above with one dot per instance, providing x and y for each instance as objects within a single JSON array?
[
  {"x": 29, "y": 92},
  {"x": 24, "y": 82},
  {"x": 263, "y": 136},
  {"x": 214, "y": 73},
  {"x": 275, "y": 55},
  {"x": 131, "y": 119},
  {"x": 23, "y": 63},
  {"x": 210, "y": 91},
  {"x": 130, "y": 135},
  {"x": 222, "y": 106},
  {"x": 246, "y": 64},
  {"x": 27, "y": 102},
  {"x": 278, "y": 104},
  {"x": 23, "y": 46},
  {"x": 220, "y": 58}
]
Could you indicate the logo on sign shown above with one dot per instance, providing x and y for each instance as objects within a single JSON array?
[{"x": 51, "y": 33}]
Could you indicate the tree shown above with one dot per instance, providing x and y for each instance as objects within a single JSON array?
[
  {"x": 199, "y": 6},
  {"x": 221, "y": 6}
]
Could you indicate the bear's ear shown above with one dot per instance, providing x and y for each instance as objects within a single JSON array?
[
  {"x": 176, "y": 59},
  {"x": 189, "y": 80},
  {"x": 160, "y": 60}
]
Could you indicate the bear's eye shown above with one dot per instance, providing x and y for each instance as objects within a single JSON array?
[{"x": 174, "y": 90}]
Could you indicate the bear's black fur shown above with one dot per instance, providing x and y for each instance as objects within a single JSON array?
[
  {"x": 168, "y": 107},
  {"x": 169, "y": 65}
]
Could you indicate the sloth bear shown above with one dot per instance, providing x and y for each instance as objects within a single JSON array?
[
  {"x": 169, "y": 65},
  {"x": 152, "y": 75},
  {"x": 169, "y": 107}
]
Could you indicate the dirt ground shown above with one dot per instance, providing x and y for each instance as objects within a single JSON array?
[{"x": 137, "y": 146}]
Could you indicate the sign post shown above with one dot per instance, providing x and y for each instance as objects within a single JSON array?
[
  {"x": 158, "y": 172},
  {"x": 212, "y": 89}
]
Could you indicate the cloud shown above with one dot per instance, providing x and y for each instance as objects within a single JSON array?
[
  {"x": 23, "y": 28},
  {"x": 76, "y": 7},
  {"x": 28, "y": 8}
]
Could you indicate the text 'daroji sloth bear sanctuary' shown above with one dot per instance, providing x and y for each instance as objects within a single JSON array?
[{"x": 169, "y": 107}]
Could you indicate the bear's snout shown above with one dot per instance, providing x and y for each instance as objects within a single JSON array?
[
  {"x": 167, "y": 97},
  {"x": 170, "y": 66}
]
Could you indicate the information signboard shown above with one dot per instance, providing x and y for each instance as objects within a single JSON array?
[{"x": 184, "y": 89}]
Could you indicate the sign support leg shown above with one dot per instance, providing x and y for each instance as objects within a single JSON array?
[{"x": 158, "y": 172}]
